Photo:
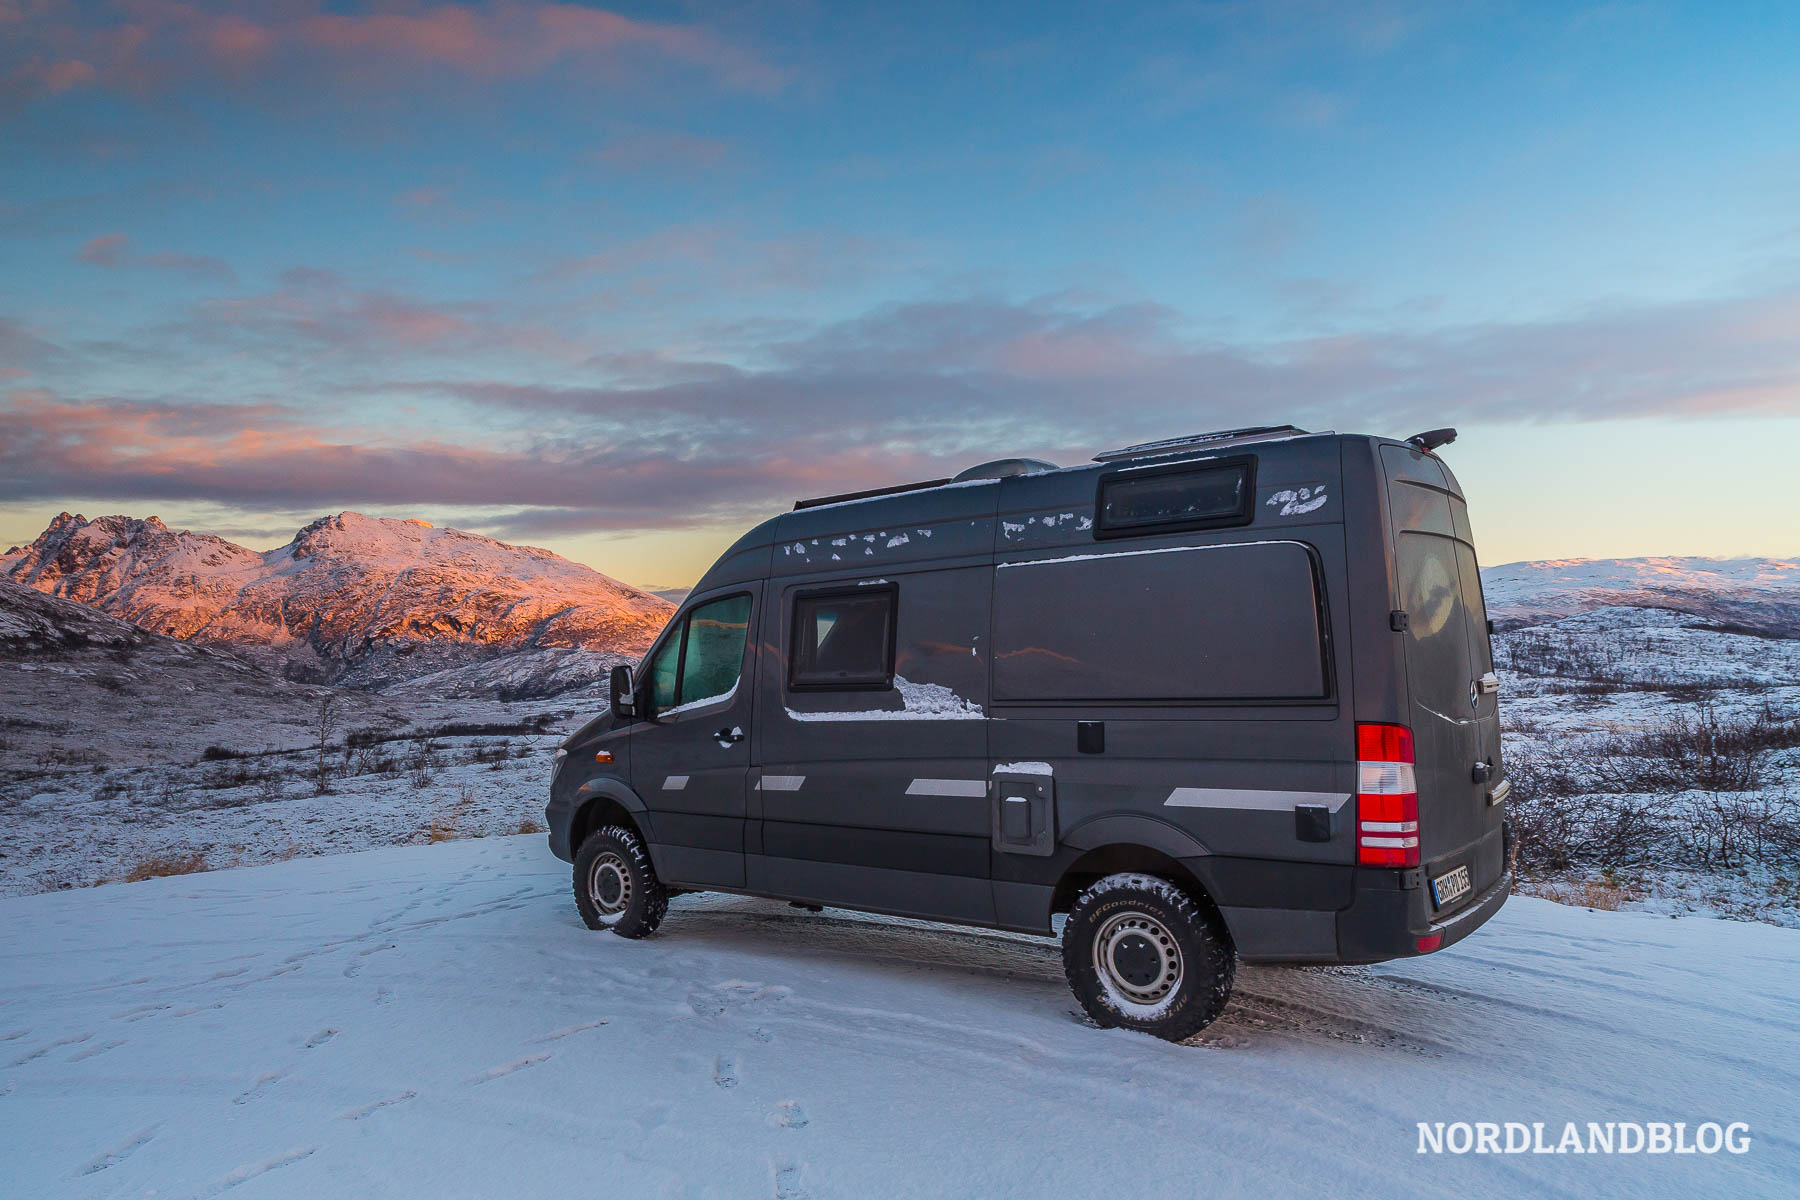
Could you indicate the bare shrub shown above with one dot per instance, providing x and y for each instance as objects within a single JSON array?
[
  {"x": 424, "y": 765},
  {"x": 155, "y": 866},
  {"x": 326, "y": 719},
  {"x": 1700, "y": 790},
  {"x": 528, "y": 824}
]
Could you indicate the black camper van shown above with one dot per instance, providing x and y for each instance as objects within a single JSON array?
[{"x": 1218, "y": 698}]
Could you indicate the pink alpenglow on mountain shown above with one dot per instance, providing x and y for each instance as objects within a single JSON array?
[{"x": 354, "y": 600}]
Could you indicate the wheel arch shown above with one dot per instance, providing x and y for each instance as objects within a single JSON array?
[
  {"x": 605, "y": 801},
  {"x": 1116, "y": 858}
]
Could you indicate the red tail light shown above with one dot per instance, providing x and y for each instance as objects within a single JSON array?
[{"x": 1387, "y": 797}]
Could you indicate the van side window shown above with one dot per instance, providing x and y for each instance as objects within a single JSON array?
[
  {"x": 1186, "y": 496},
  {"x": 716, "y": 633},
  {"x": 843, "y": 639}
]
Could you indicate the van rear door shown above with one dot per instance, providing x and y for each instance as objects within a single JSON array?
[{"x": 1453, "y": 712}]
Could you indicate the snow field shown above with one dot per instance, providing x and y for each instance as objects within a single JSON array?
[{"x": 434, "y": 1020}]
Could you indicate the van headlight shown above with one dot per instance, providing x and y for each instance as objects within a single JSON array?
[{"x": 557, "y": 762}]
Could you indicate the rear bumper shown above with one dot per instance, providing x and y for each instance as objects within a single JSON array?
[{"x": 1389, "y": 923}]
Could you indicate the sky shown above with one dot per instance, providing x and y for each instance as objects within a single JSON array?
[{"x": 621, "y": 281}]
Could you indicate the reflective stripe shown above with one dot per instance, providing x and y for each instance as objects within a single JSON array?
[
  {"x": 1385, "y": 778},
  {"x": 947, "y": 787},
  {"x": 1251, "y": 798},
  {"x": 780, "y": 783},
  {"x": 675, "y": 783}
]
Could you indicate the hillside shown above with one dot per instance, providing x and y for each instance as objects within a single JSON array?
[
  {"x": 81, "y": 689},
  {"x": 354, "y": 601},
  {"x": 1752, "y": 595}
]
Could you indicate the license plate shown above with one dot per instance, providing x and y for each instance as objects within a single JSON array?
[{"x": 1450, "y": 887}]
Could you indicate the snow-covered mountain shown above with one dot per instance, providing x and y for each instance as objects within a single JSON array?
[
  {"x": 352, "y": 600},
  {"x": 1756, "y": 595}
]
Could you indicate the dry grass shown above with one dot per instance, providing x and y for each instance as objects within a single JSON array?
[
  {"x": 1606, "y": 894},
  {"x": 155, "y": 866},
  {"x": 447, "y": 826},
  {"x": 531, "y": 825}
]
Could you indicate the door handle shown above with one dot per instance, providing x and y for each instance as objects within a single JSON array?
[
  {"x": 729, "y": 736},
  {"x": 1488, "y": 684}
]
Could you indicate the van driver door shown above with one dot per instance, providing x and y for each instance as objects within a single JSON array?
[{"x": 692, "y": 765}]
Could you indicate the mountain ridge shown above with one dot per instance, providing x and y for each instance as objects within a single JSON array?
[{"x": 351, "y": 600}]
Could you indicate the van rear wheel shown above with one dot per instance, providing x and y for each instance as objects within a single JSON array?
[
  {"x": 1141, "y": 953},
  {"x": 616, "y": 886}
]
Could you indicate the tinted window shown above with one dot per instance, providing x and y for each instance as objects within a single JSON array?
[
  {"x": 843, "y": 639},
  {"x": 1437, "y": 629},
  {"x": 662, "y": 672},
  {"x": 717, "y": 631},
  {"x": 1203, "y": 623},
  {"x": 1188, "y": 498}
]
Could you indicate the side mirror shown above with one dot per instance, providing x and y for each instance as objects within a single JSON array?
[{"x": 624, "y": 699}]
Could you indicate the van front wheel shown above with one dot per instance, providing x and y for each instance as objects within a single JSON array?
[
  {"x": 1140, "y": 953},
  {"x": 616, "y": 886}
]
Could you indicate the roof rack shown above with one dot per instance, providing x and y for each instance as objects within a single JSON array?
[
  {"x": 1221, "y": 437},
  {"x": 820, "y": 501}
]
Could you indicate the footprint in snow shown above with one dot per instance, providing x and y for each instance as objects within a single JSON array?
[
  {"x": 257, "y": 1090},
  {"x": 357, "y": 1114},
  {"x": 320, "y": 1038},
  {"x": 787, "y": 1182},
  {"x": 114, "y": 1157},
  {"x": 788, "y": 1115},
  {"x": 725, "y": 1071}
]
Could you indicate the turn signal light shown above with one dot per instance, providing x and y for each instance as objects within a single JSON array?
[
  {"x": 603, "y": 756},
  {"x": 1387, "y": 797}
]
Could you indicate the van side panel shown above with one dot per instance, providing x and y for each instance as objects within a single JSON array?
[
  {"x": 1225, "y": 773},
  {"x": 877, "y": 798}
]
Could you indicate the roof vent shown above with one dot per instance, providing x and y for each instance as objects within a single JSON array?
[
  {"x": 1203, "y": 441},
  {"x": 1004, "y": 468}
]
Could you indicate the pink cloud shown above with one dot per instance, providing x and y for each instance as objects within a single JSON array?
[
  {"x": 55, "y": 47},
  {"x": 107, "y": 250},
  {"x": 114, "y": 250}
]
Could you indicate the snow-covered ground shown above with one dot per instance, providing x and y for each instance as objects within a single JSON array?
[
  {"x": 74, "y": 829},
  {"x": 434, "y": 1020}
]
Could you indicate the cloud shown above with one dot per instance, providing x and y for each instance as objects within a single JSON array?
[
  {"x": 114, "y": 250},
  {"x": 908, "y": 391},
  {"x": 311, "y": 309},
  {"x": 53, "y": 47}
]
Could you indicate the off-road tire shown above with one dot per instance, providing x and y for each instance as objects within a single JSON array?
[
  {"x": 616, "y": 887},
  {"x": 1142, "y": 953}
]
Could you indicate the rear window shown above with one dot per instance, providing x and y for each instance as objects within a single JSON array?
[
  {"x": 843, "y": 639},
  {"x": 1186, "y": 496},
  {"x": 1203, "y": 623}
]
